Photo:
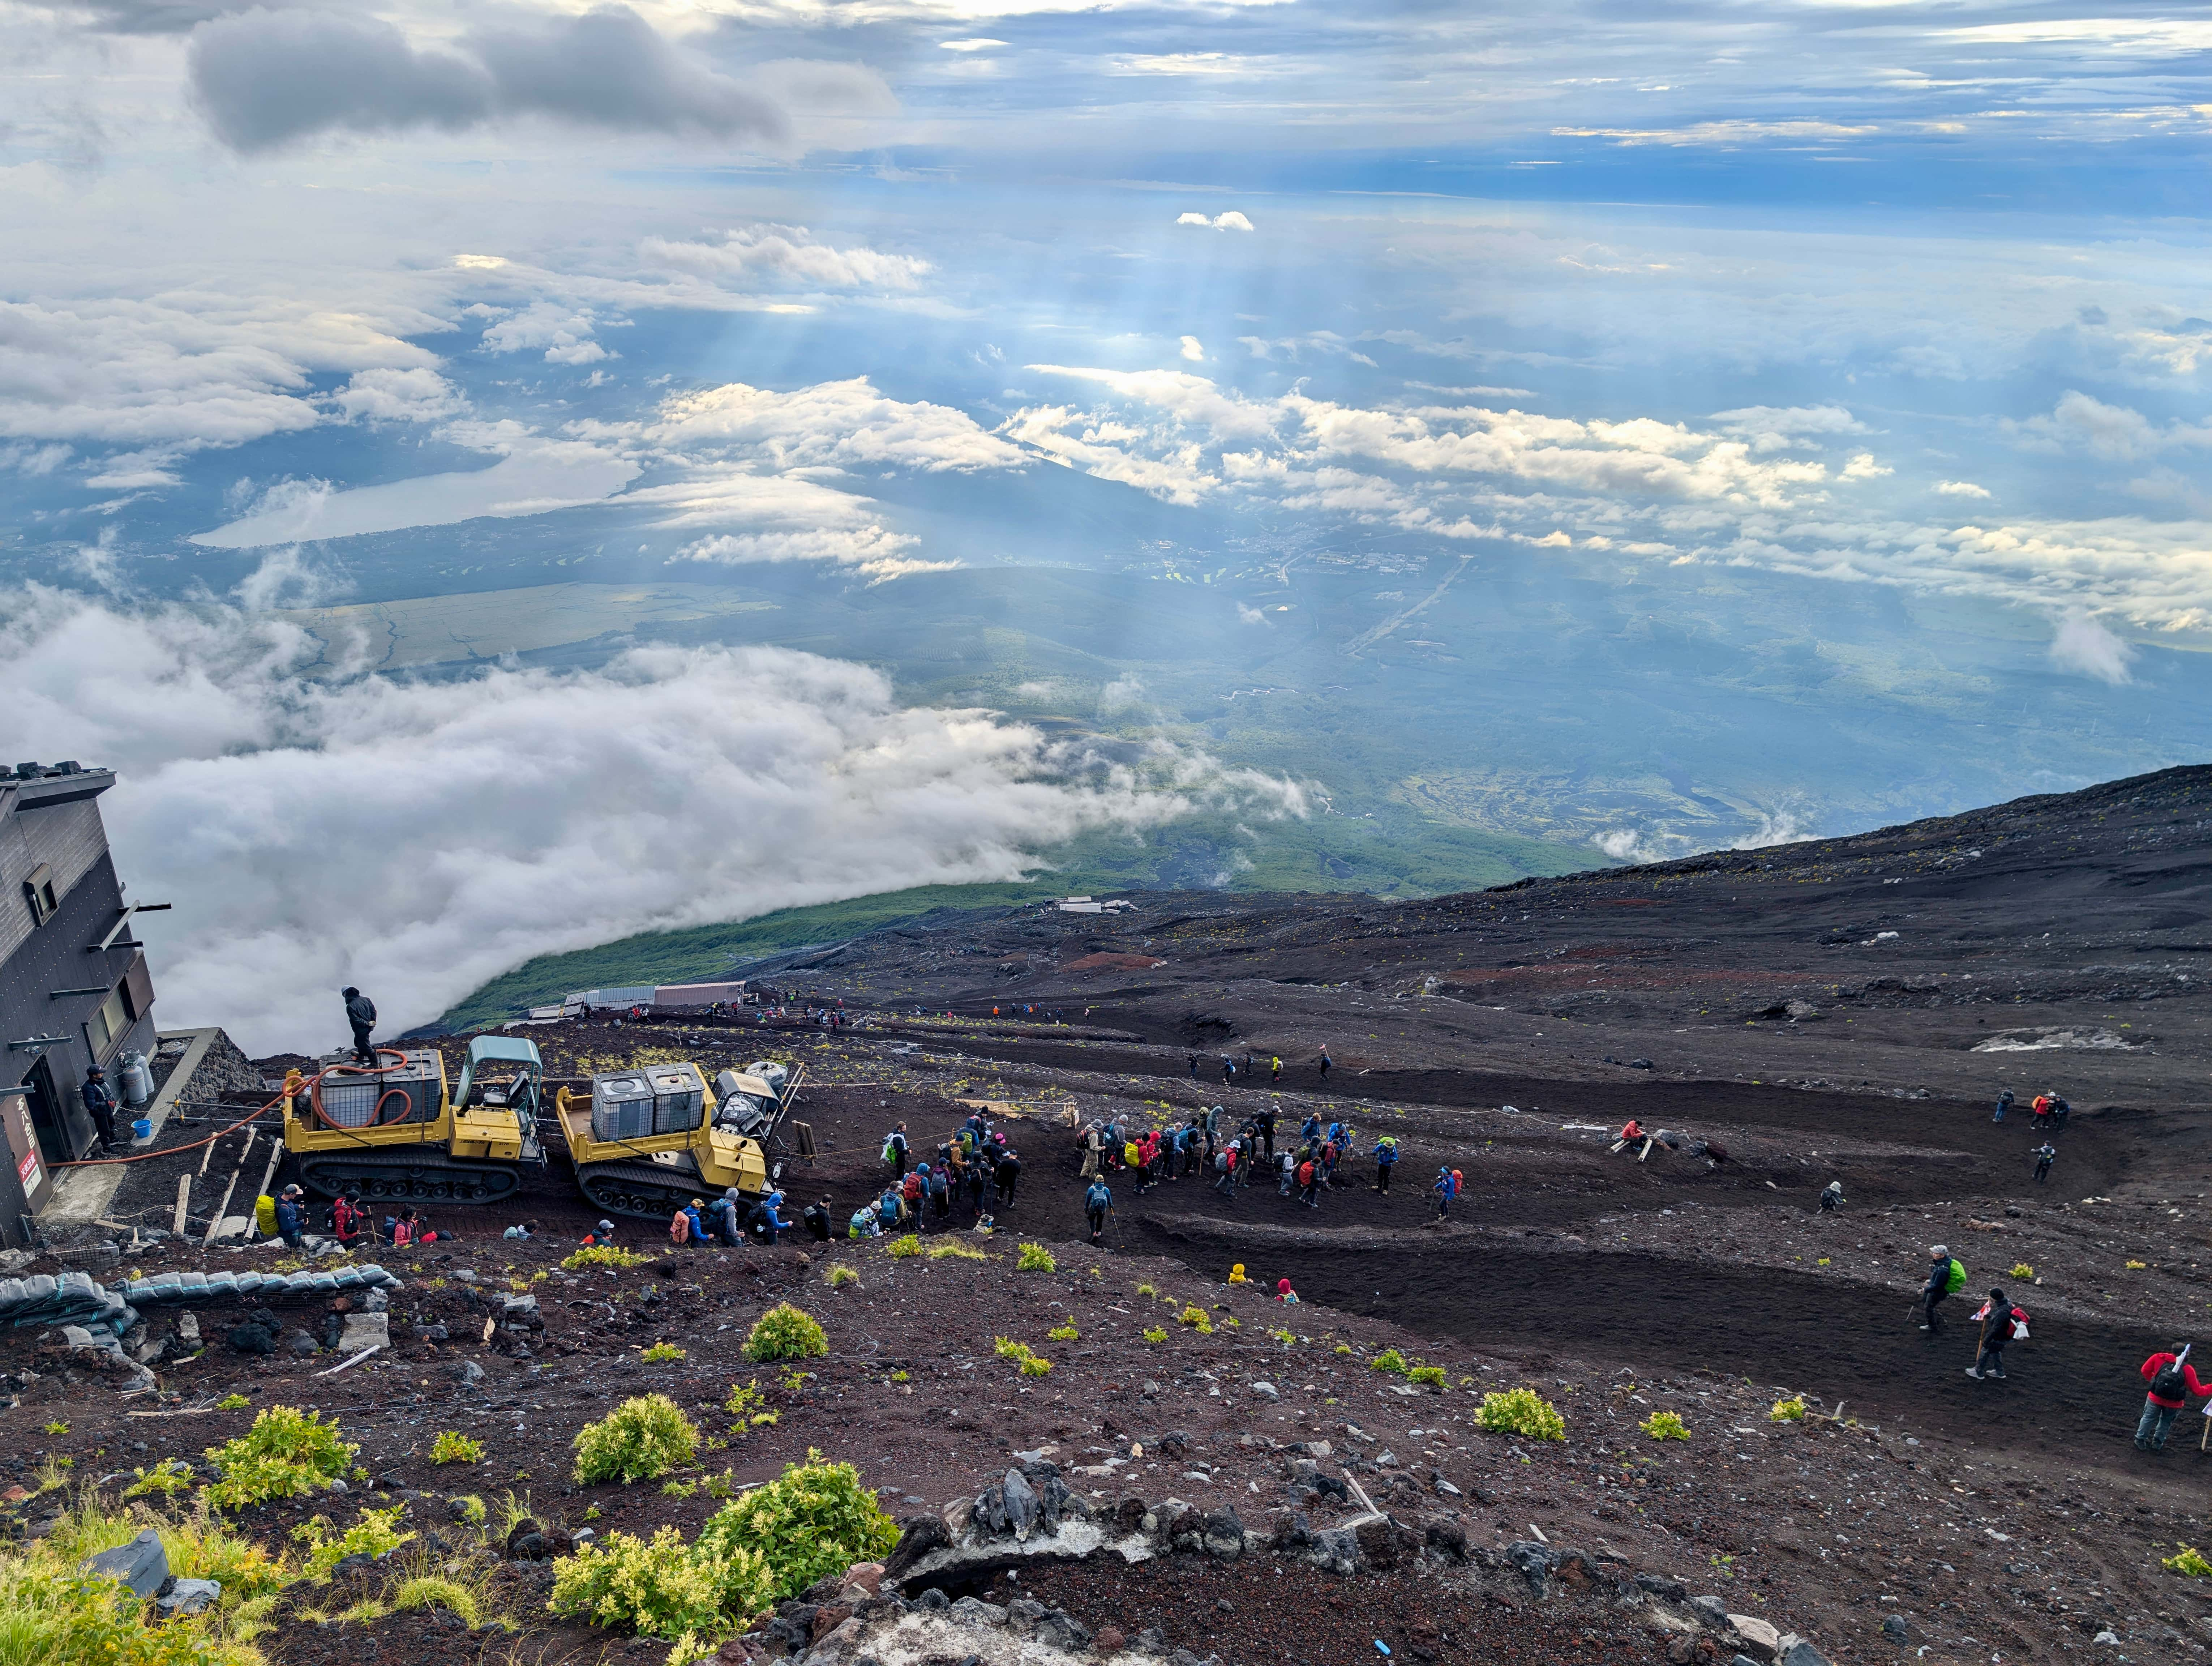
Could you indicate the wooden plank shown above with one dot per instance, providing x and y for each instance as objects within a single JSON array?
[{"x": 184, "y": 1198}]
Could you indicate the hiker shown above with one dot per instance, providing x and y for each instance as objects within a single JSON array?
[
  {"x": 1284, "y": 1293},
  {"x": 1831, "y": 1199},
  {"x": 2044, "y": 1155},
  {"x": 100, "y": 1104},
  {"x": 1944, "y": 1276},
  {"x": 977, "y": 1179},
  {"x": 1386, "y": 1159},
  {"x": 360, "y": 1018},
  {"x": 1194, "y": 1067},
  {"x": 1632, "y": 1132},
  {"x": 523, "y": 1230},
  {"x": 600, "y": 1236},
  {"x": 1310, "y": 1184},
  {"x": 2060, "y": 1110},
  {"x": 1446, "y": 1189},
  {"x": 1266, "y": 1120},
  {"x": 349, "y": 1222},
  {"x": 888, "y": 1207},
  {"x": 940, "y": 1194},
  {"x": 2040, "y": 1107},
  {"x": 288, "y": 1216},
  {"x": 1237, "y": 1274},
  {"x": 912, "y": 1190},
  {"x": 1287, "y": 1166},
  {"x": 1097, "y": 1205},
  {"x": 2172, "y": 1379},
  {"x": 864, "y": 1223},
  {"x": 724, "y": 1218},
  {"x": 1009, "y": 1172},
  {"x": 1224, "y": 1168},
  {"x": 1324, "y": 1061},
  {"x": 2004, "y": 1104},
  {"x": 816, "y": 1217},
  {"x": 1093, "y": 1149},
  {"x": 2002, "y": 1324},
  {"x": 679, "y": 1225},
  {"x": 1276, "y": 1079},
  {"x": 895, "y": 1150},
  {"x": 767, "y": 1220},
  {"x": 1228, "y": 1070}
]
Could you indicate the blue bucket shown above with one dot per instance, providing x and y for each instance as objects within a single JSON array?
[{"x": 143, "y": 1128}]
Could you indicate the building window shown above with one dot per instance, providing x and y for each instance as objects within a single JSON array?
[
  {"x": 45, "y": 903},
  {"x": 105, "y": 1027}
]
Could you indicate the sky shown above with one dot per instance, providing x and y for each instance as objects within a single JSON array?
[{"x": 1903, "y": 295}]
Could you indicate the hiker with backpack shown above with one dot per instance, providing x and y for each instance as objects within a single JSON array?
[
  {"x": 1831, "y": 1199},
  {"x": 1097, "y": 1205},
  {"x": 1224, "y": 1170},
  {"x": 2172, "y": 1379},
  {"x": 2044, "y": 1155},
  {"x": 1386, "y": 1159},
  {"x": 2001, "y": 1324},
  {"x": 1310, "y": 1184},
  {"x": 1446, "y": 1189},
  {"x": 1945, "y": 1276},
  {"x": 2005, "y": 1103},
  {"x": 895, "y": 1150}
]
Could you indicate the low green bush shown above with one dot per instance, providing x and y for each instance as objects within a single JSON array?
[
  {"x": 1390, "y": 1360},
  {"x": 641, "y": 1439},
  {"x": 1035, "y": 1258},
  {"x": 815, "y": 1518},
  {"x": 661, "y": 1587},
  {"x": 287, "y": 1454},
  {"x": 451, "y": 1447},
  {"x": 785, "y": 1332},
  {"x": 604, "y": 1254},
  {"x": 1521, "y": 1412}
]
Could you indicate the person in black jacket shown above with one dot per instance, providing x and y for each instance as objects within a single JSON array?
[
  {"x": 816, "y": 1217},
  {"x": 99, "y": 1103},
  {"x": 1937, "y": 1287},
  {"x": 361, "y": 1014},
  {"x": 1996, "y": 1331}
]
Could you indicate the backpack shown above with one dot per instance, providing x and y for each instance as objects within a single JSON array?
[
  {"x": 1221, "y": 1163},
  {"x": 1955, "y": 1280},
  {"x": 1098, "y": 1198},
  {"x": 2172, "y": 1382}
]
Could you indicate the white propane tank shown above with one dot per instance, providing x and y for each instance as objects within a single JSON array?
[{"x": 136, "y": 1080}]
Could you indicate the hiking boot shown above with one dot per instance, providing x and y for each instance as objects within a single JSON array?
[{"x": 1972, "y": 1373}]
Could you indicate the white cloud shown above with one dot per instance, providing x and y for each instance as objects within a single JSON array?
[
  {"x": 2082, "y": 644},
  {"x": 1778, "y": 428},
  {"x": 1193, "y": 350},
  {"x": 1231, "y": 220},
  {"x": 788, "y": 255},
  {"x": 1725, "y": 135},
  {"x": 841, "y": 424},
  {"x": 2115, "y": 434},
  {"x": 673, "y": 788},
  {"x": 416, "y": 395},
  {"x": 975, "y": 43},
  {"x": 1960, "y": 488},
  {"x": 564, "y": 331}
]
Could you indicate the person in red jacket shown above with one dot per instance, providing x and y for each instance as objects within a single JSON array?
[{"x": 2172, "y": 1379}]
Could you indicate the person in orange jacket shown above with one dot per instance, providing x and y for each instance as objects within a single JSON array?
[{"x": 2172, "y": 1379}]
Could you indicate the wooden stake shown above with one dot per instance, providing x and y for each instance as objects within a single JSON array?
[
  {"x": 184, "y": 1197},
  {"x": 1646, "y": 1151},
  {"x": 354, "y": 1360}
]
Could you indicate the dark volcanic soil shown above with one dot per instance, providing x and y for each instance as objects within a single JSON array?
[{"x": 2010, "y": 1519}]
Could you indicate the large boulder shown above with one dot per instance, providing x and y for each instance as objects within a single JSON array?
[{"x": 143, "y": 1565}]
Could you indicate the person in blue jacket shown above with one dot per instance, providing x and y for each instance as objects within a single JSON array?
[
  {"x": 1446, "y": 1189},
  {"x": 1386, "y": 1159}
]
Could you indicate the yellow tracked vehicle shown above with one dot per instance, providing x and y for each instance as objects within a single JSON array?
[
  {"x": 393, "y": 1131},
  {"x": 647, "y": 1140}
]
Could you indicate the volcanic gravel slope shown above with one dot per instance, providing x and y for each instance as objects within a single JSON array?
[{"x": 2010, "y": 1520}]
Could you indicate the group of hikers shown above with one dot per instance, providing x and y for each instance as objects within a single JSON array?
[
  {"x": 1234, "y": 1073},
  {"x": 969, "y": 1179}
]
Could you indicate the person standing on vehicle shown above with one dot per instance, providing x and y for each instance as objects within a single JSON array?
[
  {"x": 1937, "y": 1287},
  {"x": 361, "y": 1016},
  {"x": 2172, "y": 1379}
]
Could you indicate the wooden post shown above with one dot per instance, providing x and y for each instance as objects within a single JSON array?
[{"x": 184, "y": 1197}]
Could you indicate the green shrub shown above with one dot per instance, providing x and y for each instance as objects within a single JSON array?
[
  {"x": 604, "y": 1254},
  {"x": 1665, "y": 1425},
  {"x": 2020, "y": 1269},
  {"x": 1036, "y": 1366},
  {"x": 287, "y": 1454},
  {"x": 641, "y": 1439},
  {"x": 233, "y": 1402},
  {"x": 450, "y": 1448},
  {"x": 376, "y": 1534},
  {"x": 50, "y": 1613},
  {"x": 1063, "y": 1334},
  {"x": 661, "y": 1588},
  {"x": 1154, "y": 1334},
  {"x": 1196, "y": 1319},
  {"x": 785, "y": 1332},
  {"x": 815, "y": 1518},
  {"x": 1521, "y": 1412},
  {"x": 1390, "y": 1360},
  {"x": 472, "y": 1508},
  {"x": 2190, "y": 1561},
  {"x": 661, "y": 1354},
  {"x": 1006, "y": 1349},
  {"x": 840, "y": 1275},
  {"x": 1792, "y": 1410},
  {"x": 1428, "y": 1376},
  {"x": 904, "y": 1247},
  {"x": 959, "y": 1251},
  {"x": 168, "y": 1478},
  {"x": 1035, "y": 1258},
  {"x": 429, "y": 1591}
]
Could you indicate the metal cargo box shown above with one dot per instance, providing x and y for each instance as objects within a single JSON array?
[
  {"x": 621, "y": 1106},
  {"x": 679, "y": 1097}
]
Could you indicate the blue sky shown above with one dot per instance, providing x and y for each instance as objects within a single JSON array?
[{"x": 298, "y": 299}]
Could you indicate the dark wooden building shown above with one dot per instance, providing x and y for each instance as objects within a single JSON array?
[{"x": 74, "y": 989}]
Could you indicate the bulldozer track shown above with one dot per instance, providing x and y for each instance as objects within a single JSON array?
[{"x": 422, "y": 1176}]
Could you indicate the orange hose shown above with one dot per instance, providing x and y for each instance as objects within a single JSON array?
[{"x": 311, "y": 1084}]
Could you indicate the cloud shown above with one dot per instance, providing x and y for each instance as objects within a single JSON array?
[
  {"x": 673, "y": 788},
  {"x": 1724, "y": 135},
  {"x": 1778, "y": 428},
  {"x": 977, "y": 44},
  {"x": 788, "y": 255},
  {"x": 2080, "y": 422},
  {"x": 2083, "y": 645},
  {"x": 841, "y": 424},
  {"x": 564, "y": 331},
  {"x": 398, "y": 396},
  {"x": 1192, "y": 350},
  {"x": 1960, "y": 488},
  {"x": 263, "y": 79},
  {"x": 1230, "y": 220}
]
